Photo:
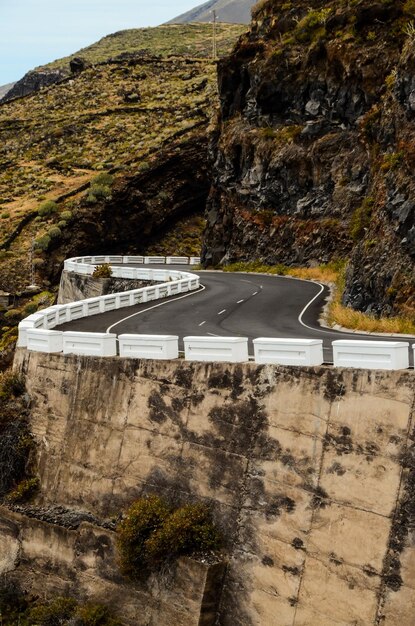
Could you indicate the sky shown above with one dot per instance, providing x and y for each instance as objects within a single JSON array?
[{"x": 35, "y": 32}]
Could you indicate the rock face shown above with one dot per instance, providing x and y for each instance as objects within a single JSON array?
[
  {"x": 309, "y": 472},
  {"x": 313, "y": 157},
  {"x": 33, "y": 81}
]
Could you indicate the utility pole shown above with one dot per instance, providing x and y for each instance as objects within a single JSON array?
[{"x": 215, "y": 48}]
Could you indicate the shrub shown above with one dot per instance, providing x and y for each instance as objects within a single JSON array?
[
  {"x": 12, "y": 603},
  {"x": 47, "y": 208},
  {"x": 103, "y": 179},
  {"x": 144, "y": 517},
  {"x": 13, "y": 315},
  {"x": 152, "y": 533},
  {"x": 54, "y": 232},
  {"x": 42, "y": 243},
  {"x": 52, "y": 614},
  {"x": 30, "y": 308},
  {"x": 11, "y": 385},
  {"x": 102, "y": 271},
  {"x": 66, "y": 215},
  {"x": 188, "y": 530},
  {"x": 16, "y": 444},
  {"x": 98, "y": 192},
  {"x": 95, "y": 615},
  {"x": 24, "y": 491}
]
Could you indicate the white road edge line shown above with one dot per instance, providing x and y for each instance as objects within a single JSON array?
[
  {"x": 202, "y": 323},
  {"x": 213, "y": 335},
  {"x": 240, "y": 301},
  {"x": 186, "y": 295},
  {"x": 256, "y": 293},
  {"x": 307, "y": 306},
  {"x": 220, "y": 312}
]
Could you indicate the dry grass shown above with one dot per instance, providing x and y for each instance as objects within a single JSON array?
[
  {"x": 322, "y": 273},
  {"x": 355, "y": 320}
]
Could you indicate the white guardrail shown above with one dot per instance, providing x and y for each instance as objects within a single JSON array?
[
  {"x": 172, "y": 282},
  {"x": 36, "y": 331}
]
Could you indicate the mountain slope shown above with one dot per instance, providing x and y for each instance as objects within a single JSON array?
[
  {"x": 187, "y": 40},
  {"x": 316, "y": 145},
  {"x": 93, "y": 136},
  {"x": 233, "y": 11}
]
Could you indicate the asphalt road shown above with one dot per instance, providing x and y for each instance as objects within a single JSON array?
[{"x": 231, "y": 304}]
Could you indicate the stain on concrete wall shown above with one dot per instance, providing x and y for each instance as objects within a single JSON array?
[{"x": 310, "y": 472}]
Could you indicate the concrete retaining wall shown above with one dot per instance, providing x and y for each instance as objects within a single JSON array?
[{"x": 309, "y": 472}]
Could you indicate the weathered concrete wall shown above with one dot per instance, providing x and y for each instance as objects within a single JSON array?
[
  {"x": 51, "y": 559},
  {"x": 311, "y": 472}
]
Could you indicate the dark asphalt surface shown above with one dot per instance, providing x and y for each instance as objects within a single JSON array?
[{"x": 231, "y": 304}]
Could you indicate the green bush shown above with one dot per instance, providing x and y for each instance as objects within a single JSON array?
[
  {"x": 66, "y": 215},
  {"x": 152, "y": 533},
  {"x": 142, "y": 518},
  {"x": 103, "y": 179},
  {"x": 188, "y": 530},
  {"x": 13, "y": 315},
  {"x": 43, "y": 242},
  {"x": 54, "y": 232},
  {"x": 102, "y": 271},
  {"x": 30, "y": 308},
  {"x": 47, "y": 208},
  {"x": 98, "y": 192}
]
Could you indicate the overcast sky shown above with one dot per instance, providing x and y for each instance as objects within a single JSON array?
[{"x": 34, "y": 32}]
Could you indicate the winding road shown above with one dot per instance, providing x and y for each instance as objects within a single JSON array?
[{"x": 231, "y": 304}]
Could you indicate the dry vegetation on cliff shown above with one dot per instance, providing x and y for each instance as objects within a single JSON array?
[{"x": 116, "y": 115}]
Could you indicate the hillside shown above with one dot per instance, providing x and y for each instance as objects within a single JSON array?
[
  {"x": 115, "y": 123},
  {"x": 232, "y": 11},
  {"x": 315, "y": 147},
  {"x": 190, "y": 40}
]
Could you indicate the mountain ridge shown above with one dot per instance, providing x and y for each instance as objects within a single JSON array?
[{"x": 231, "y": 11}]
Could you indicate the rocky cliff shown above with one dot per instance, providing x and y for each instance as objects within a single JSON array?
[
  {"x": 33, "y": 81},
  {"x": 313, "y": 156}
]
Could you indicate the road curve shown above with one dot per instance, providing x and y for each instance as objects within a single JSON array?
[{"x": 231, "y": 304}]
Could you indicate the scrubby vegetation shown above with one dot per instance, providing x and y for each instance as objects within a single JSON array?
[
  {"x": 17, "y": 608},
  {"x": 17, "y": 482},
  {"x": 153, "y": 532},
  {"x": 63, "y": 149},
  {"x": 188, "y": 40},
  {"x": 10, "y": 318},
  {"x": 102, "y": 271}
]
